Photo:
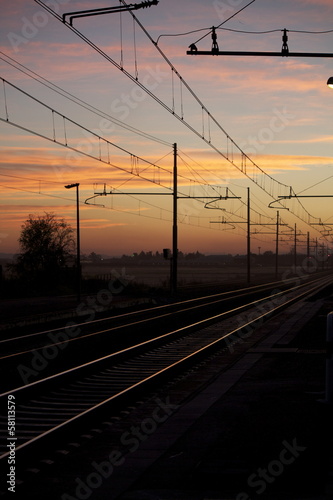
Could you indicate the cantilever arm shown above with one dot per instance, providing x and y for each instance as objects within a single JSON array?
[
  {"x": 214, "y": 201},
  {"x": 106, "y": 10},
  {"x": 270, "y": 205},
  {"x": 91, "y": 198}
]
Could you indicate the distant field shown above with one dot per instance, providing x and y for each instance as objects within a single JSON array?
[{"x": 159, "y": 275}]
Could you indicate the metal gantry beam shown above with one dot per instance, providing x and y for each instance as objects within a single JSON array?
[
  {"x": 255, "y": 54},
  {"x": 283, "y": 53}
]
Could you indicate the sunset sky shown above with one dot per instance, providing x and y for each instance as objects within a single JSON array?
[{"x": 277, "y": 110}]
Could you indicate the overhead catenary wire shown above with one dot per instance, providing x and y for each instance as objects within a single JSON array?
[
  {"x": 203, "y": 181},
  {"x": 276, "y": 30},
  {"x": 259, "y": 172},
  {"x": 80, "y": 102},
  {"x": 183, "y": 217},
  {"x": 316, "y": 184},
  {"x": 133, "y": 170},
  {"x": 136, "y": 71},
  {"x": 121, "y": 40},
  {"x": 256, "y": 174},
  {"x": 226, "y": 20},
  {"x": 45, "y": 181},
  {"x": 247, "y": 32},
  {"x": 66, "y": 142},
  {"x": 184, "y": 84},
  {"x": 181, "y": 34},
  {"x": 243, "y": 203}
]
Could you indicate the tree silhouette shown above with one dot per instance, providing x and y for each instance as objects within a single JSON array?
[{"x": 46, "y": 245}]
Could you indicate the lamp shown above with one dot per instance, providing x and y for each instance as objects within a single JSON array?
[{"x": 330, "y": 82}]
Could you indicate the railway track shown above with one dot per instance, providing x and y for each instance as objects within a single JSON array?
[
  {"x": 15, "y": 345},
  {"x": 29, "y": 357},
  {"x": 62, "y": 403}
]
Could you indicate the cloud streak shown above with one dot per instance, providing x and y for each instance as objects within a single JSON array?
[{"x": 242, "y": 93}]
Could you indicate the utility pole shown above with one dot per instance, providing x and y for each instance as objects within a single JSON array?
[
  {"x": 174, "y": 277},
  {"x": 277, "y": 245},
  {"x": 248, "y": 237},
  {"x": 174, "y": 257},
  {"x": 249, "y": 225},
  {"x": 78, "y": 251},
  {"x": 295, "y": 248}
]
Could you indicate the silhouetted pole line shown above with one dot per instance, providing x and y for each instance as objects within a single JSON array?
[
  {"x": 308, "y": 247},
  {"x": 278, "y": 224},
  {"x": 309, "y": 196},
  {"x": 248, "y": 236},
  {"x": 174, "y": 257},
  {"x": 248, "y": 222}
]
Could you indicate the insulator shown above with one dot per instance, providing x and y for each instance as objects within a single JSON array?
[{"x": 285, "y": 48}]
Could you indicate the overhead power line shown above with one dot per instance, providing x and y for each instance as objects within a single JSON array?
[
  {"x": 232, "y": 153},
  {"x": 80, "y": 102},
  {"x": 247, "y": 32},
  {"x": 215, "y": 51},
  {"x": 210, "y": 130},
  {"x": 58, "y": 131},
  {"x": 228, "y": 19}
]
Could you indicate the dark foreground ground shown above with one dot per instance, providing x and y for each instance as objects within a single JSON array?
[
  {"x": 269, "y": 437},
  {"x": 261, "y": 430}
]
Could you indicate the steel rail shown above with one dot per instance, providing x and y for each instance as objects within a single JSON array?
[
  {"x": 223, "y": 296},
  {"x": 155, "y": 308},
  {"x": 151, "y": 370}
]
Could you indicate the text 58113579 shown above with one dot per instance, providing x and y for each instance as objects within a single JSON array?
[{"x": 11, "y": 444}]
